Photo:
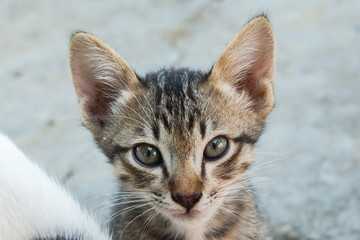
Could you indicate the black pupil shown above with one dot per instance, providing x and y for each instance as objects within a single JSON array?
[
  {"x": 149, "y": 151},
  {"x": 215, "y": 144}
]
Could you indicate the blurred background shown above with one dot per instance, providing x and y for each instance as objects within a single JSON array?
[{"x": 310, "y": 152}]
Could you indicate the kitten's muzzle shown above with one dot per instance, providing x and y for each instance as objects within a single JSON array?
[{"x": 187, "y": 202}]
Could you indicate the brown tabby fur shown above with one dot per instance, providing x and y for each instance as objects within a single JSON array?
[{"x": 179, "y": 111}]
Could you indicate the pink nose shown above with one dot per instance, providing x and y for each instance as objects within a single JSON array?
[{"x": 187, "y": 202}]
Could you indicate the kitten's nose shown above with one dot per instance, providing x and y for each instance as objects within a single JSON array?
[{"x": 187, "y": 201}]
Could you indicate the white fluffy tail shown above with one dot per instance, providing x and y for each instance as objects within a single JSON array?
[{"x": 34, "y": 206}]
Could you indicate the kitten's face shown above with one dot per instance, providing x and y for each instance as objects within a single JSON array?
[
  {"x": 179, "y": 139},
  {"x": 177, "y": 136}
]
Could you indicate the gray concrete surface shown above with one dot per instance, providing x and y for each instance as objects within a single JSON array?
[{"x": 311, "y": 149}]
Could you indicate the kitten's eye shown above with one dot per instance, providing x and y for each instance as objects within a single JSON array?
[
  {"x": 216, "y": 148},
  {"x": 147, "y": 155}
]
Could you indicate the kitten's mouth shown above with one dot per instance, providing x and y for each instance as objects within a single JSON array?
[{"x": 188, "y": 215}]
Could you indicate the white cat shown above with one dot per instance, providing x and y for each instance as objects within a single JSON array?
[{"x": 34, "y": 206}]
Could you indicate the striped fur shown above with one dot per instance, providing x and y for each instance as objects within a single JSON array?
[{"x": 179, "y": 111}]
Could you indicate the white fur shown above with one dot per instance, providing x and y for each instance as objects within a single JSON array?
[{"x": 34, "y": 205}]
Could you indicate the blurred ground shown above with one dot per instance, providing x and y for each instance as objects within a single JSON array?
[{"x": 311, "y": 149}]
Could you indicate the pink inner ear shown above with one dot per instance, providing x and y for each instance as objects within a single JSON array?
[
  {"x": 99, "y": 105},
  {"x": 82, "y": 77},
  {"x": 256, "y": 81},
  {"x": 84, "y": 89},
  {"x": 96, "y": 94}
]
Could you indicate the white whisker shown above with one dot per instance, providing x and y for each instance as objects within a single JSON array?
[{"x": 135, "y": 219}]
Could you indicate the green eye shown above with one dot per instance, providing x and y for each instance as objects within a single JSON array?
[
  {"x": 216, "y": 148},
  {"x": 147, "y": 155}
]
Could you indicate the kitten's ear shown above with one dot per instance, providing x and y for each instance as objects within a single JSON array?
[
  {"x": 247, "y": 65},
  {"x": 100, "y": 78}
]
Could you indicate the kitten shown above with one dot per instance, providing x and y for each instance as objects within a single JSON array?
[
  {"x": 180, "y": 141},
  {"x": 35, "y": 207}
]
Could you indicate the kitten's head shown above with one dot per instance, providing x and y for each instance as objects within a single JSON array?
[{"x": 181, "y": 139}]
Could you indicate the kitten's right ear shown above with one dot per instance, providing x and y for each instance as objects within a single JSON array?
[
  {"x": 100, "y": 78},
  {"x": 246, "y": 66}
]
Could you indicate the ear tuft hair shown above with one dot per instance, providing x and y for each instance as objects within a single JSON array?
[
  {"x": 77, "y": 31},
  {"x": 261, "y": 15}
]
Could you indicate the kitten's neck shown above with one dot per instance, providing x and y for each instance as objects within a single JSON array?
[{"x": 236, "y": 219}]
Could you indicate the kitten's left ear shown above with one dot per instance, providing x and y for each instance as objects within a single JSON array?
[
  {"x": 100, "y": 76},
  {"x": 247, "y": 65}
]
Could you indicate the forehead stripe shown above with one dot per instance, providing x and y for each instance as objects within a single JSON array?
[
  {"x": 191, "y": 122},
  {"x": 202, "y": 129},
  {"x": 166, "y": 122},
  {"x": 158, "y": 94},
  {"x": 156, "y": 131}
]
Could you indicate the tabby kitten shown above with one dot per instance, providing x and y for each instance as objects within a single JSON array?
[{"x": 180, "y": 141}]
